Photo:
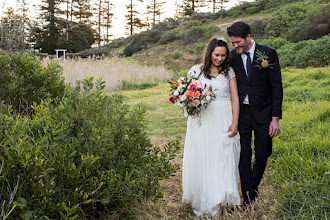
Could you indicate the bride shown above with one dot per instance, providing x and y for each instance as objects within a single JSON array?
[{"x": 212, "y": 147}]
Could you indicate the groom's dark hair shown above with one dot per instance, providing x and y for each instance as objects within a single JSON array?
[{"x": 239, "y": 29}]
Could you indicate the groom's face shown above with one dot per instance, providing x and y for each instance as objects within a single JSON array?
[{"x": 242, "y": 45}]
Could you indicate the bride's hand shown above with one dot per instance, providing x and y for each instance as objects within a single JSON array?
[{"x": 233, "y": 129}]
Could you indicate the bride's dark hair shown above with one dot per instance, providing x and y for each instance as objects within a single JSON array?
[{"x": 207, "y": 61}]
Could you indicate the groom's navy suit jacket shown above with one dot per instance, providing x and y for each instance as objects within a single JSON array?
[{"x": 264, "y": 86}]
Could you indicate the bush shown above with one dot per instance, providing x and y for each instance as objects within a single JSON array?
[
  {"x": 192, "y": 23},
  {"x": 200, "y": 47},
  {"x": 168, "y": 37},
  {"x": 125, "y": 85},
  {"x": 176, "y": 55},
  {"x": 142, "y": 41},
  {"x": 317, "y": 23},
  {"x": 210, "y": 30},
  {"x": 275, "y": 42},
  {"x": 300, "y": 21},
  {"x": 24, "y": 81},
  {"x": 305, "y": 53},
  {"x": 88, "y": 155},
  {"x": 195, "y": 34},
  {"x": 258, "y": 28}
]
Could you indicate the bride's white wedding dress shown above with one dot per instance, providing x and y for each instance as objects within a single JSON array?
[{"x": 210, "y": 161}]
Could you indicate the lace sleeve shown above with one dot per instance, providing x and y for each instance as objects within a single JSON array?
[
  {"x": 194, "y": 71},
  {"x": 231, "y": 73}
]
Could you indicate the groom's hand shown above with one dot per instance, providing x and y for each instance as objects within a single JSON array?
[{"x": 274, "y": 128}]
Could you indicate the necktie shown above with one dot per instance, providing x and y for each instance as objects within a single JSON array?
[{"x": 248, "y": 64}]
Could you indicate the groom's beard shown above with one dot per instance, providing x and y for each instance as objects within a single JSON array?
[{"x": 244, "y": 48}]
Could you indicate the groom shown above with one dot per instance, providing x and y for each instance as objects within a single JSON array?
[{"x": 260, "y": 93}]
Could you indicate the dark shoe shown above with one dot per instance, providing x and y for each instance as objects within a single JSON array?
[{"x": 250, "y": 197}]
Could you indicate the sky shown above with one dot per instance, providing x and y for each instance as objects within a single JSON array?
[{"x": 119, "y": 11}]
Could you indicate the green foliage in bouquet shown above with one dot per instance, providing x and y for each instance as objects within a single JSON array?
[
  {"x": 83, "y": 157},
  {"x": 24, "y": 81}
]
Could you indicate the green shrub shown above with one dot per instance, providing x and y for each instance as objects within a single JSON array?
[
  {"x": 195, "y": 34},
  {"x": 258, "y": 28},
  {"x": 142, "y": 41},
  {"x": 317, "y": 23},
  {"x": 168, "y": 37},
  {"x": 300, "y": 21},
  {"x": 305, "y": 53},
  {"x": 275, "y": 42},
  {"x": 88, "y": 155},
  {"x": 192, "y": 23},
  {"x": 210, "y": 30},
  {"x": 125, "y": 85},
  {"x": 200, "y": 47},
  {"x": 167, "y": 24},
  {"x": 24, "y": 81},
  {"x": 176, "y": 55}
]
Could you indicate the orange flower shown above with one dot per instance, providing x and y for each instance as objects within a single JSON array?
[
  {"x": 188, "y": 93},
  {"x": 174, "y": 83},
  {"x": 195, "y": 94}
]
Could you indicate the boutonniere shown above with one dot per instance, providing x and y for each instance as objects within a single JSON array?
[{"x": 263, "y": 60}]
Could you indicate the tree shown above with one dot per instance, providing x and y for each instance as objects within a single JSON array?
[
  {"x": 104, "y": 16},
  {"x": 218, "y": 4},
  {"x": 190, "y": 6},
  {"x": 12, "y": 36},
  {"x": 50, "y": 32},
  {"x": 155, "y": 10},
  {"x": 132, "y": 20},
  {"x": 107, "y": 19},
  {"x": 82, "y": 10}
]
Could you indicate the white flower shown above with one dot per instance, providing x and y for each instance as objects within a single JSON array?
[
  {"x": 208, "y": 98},
  {"x": 183, "y": 97},
  {"x": 181, "y": 80},
  {"x": 176, "y": 93}
]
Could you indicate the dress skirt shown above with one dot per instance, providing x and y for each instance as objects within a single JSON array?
[{"x": 210, "y": 161}]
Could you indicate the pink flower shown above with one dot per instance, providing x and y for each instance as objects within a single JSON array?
[{"x": 193, "y": 87}]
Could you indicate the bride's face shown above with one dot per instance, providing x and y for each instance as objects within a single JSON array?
[{"x": 218, "y": 56}]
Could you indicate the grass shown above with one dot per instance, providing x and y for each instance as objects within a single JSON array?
[
  {"x": 113, "y": 70},
  {"x": 294, "y": 185}
]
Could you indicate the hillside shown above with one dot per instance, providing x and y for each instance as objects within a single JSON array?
[{"x": 293, "y": 27}]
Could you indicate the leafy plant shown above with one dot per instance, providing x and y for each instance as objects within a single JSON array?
[
  {"x": 86, "y": 155},
  {"x": 24, "y": 81}
]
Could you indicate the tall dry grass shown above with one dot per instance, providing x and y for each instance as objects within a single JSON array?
[{"x": 112, "y": 70}]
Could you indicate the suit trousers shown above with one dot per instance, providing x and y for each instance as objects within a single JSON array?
[{"x": 251, "y": 175}]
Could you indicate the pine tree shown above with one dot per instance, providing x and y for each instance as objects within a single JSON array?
[
  {"x": 12, "y": 37},
  {"x": 50, "y": 33},
  {"x": 107, "y": 19},
  {"x": 218, "y": 4},
  {"x": 190, "y": 6},
  {"x": 155, "y": 10},
  {"x": 133, "y": 21}
]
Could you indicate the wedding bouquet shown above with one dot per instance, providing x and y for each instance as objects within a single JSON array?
[{"x": 190, "y": 95}]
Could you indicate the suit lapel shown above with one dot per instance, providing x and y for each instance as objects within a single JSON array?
[
  {"x": 254, "y": 70},
  {"x": 240, "y": 66}
]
